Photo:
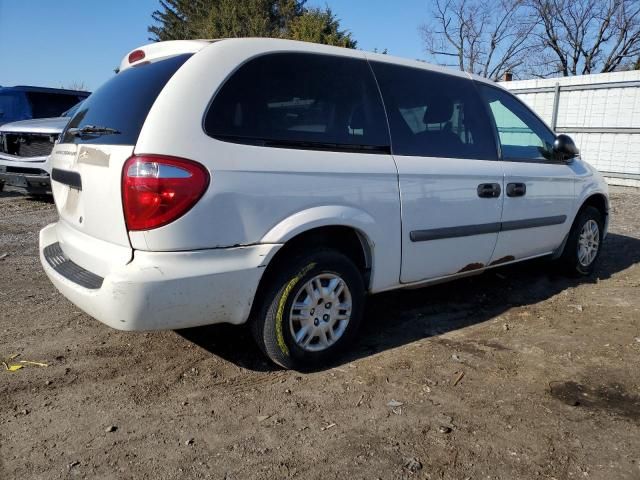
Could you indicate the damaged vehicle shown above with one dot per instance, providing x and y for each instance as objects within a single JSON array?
[
  {"x": 31, "y": 120},
  {"x": 277, "y": 183},
  {"x": 24, "y": 152}
]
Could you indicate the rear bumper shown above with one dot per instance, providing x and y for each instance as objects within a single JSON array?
[
  {"x": 164, "y": 290},
  {"x": 31, "y": 176}
]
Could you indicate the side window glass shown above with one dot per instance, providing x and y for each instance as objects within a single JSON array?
[
  {"x": 434, "y": 115},
  {"x": 299, "y": 101},
  {"x": 522, "y": 135}
]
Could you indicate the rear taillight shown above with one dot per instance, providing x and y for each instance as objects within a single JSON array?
[
  {"x": 136, "y": 56},
  {"x": 157, "y": 189}
]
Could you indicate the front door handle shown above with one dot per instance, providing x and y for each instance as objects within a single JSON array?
[
  {"x": 516, "y": 189},
  {"x": 489, "y": 190}
]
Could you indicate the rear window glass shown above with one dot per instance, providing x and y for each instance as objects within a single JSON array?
[
  {"x": 296, "y": 100},
  {"x": 45, "y": 105},
  {"x": 123, "y": 103}
]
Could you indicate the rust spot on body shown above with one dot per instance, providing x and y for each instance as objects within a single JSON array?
[
  {"x": 508, "y": 258},
  {"x": 471, "y": 267}
]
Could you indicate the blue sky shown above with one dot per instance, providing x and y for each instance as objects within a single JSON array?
[{"x": 55, "y": 43}]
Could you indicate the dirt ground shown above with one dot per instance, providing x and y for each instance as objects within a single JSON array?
[{"x": 518, "y": 373}]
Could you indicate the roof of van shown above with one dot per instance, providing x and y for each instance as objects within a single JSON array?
[
  {"x": 31, "y": 88},
  {"x": 158, "y": 50}
]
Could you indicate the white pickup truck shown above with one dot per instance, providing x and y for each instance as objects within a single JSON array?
[{"x": 25, "y": 146}]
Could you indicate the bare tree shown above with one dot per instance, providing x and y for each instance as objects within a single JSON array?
[
  {"x": 485, "y": 37},
  {"x": 75, "y": 85},
  {"x": 586, "y": 36}
]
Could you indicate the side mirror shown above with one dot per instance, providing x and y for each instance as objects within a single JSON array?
[{"x": 564, "y": 148}]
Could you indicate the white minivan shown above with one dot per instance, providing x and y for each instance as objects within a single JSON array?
[{"x": 277, "y": 183}]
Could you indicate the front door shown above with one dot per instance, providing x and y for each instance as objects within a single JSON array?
[
  {"x": 451, "y": 182},
  {"x": 539, "y": 190}
]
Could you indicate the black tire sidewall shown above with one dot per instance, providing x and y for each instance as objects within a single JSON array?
[
  {"x": 570, "y": 255},
  {"x": 271, "y": 327}
]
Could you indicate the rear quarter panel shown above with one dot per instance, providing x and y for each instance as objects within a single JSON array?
[{"x": 255, "y": 189}]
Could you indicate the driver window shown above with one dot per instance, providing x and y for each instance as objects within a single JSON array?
[{"x": 522, "y": 135}]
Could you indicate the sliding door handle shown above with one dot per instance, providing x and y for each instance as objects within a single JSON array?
[
  {"x": 516, "y": 189},
  {"x": 489, "y": 190}
]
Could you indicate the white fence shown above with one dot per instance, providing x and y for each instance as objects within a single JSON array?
[{"x": 600, "y": 112}]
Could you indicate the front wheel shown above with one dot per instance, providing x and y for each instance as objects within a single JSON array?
[
  {"x": 310, "y": 310},
  {"x": 584, "y": 242}
]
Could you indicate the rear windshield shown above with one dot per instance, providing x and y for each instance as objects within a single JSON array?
[{"x": 123, "y": 103}]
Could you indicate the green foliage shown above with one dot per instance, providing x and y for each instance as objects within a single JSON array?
[
  {"x": 320, "y": 26},
  {"x": 249, "y": 18},
  {"x": 178, "y": 19},
  {"x": 188, "y": 19}
]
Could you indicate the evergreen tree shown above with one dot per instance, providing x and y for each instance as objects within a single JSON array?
[
  {"x": 249, "y": 18},
  {"x": 178, "y": 19},
  {"x": 320, "y": 26},
  {"x": 188, "y": 19}
]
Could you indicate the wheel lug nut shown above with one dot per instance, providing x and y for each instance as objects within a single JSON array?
[
  {"x": 327, "y": 305},
  {"x": 316, "y": 322},
  {"x": 325, "y": 317},
  {"x": 313, "y": 310}
]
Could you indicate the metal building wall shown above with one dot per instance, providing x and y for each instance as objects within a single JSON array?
[{"x": 601, "y": 113}]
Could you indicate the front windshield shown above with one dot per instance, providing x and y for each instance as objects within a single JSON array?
[
  {"x": 13, "y": 106},
  {"x": 72, "y": 111},
  {"x": 51, "y": 104}
]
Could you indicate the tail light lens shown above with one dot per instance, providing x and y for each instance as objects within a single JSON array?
[
  {"x": 156, "y": 189},
  {"x": 136, "y": 55}
]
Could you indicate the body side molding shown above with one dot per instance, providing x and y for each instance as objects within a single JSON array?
[{"x": 469, "y": 230}]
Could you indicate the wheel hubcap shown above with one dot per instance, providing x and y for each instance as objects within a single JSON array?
[
  {"x": 588, "y": 243},
  {"x": 320, "y": 312}
]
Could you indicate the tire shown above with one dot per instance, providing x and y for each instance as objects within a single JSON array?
[
  {"x": 573, "y": 257},
  {"x": 1, "y": 185},
  {"x": 276, "y": 321}
]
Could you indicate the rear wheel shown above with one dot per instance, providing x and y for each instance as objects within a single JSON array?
[
  {"x": 584, "y": 243},
  {"x": 310, "y": 310}
]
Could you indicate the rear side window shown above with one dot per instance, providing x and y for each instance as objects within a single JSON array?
[
  {"x": 123, "y": 103},
  {"x": 299, "y": 100},
  {"x": 44, "y": 105},
  {"x": 434, "y": 115}
]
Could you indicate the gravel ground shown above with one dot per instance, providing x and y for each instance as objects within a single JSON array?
[{"x": 518, "y": 373}]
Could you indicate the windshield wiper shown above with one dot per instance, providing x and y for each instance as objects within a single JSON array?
[{"x": 93, "y": 130}]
